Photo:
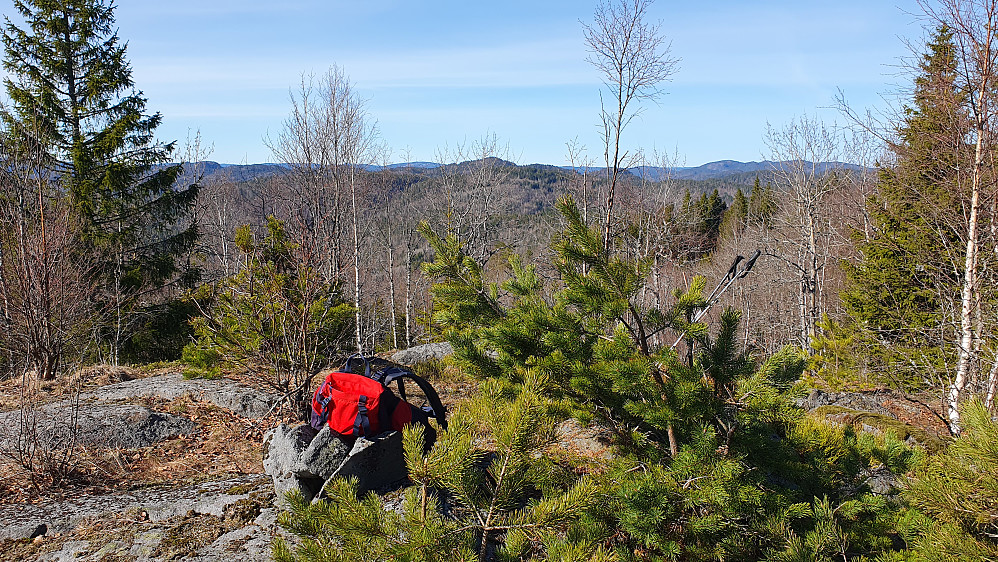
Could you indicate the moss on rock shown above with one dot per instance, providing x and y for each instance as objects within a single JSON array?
[{"x": 879, "y": 423}]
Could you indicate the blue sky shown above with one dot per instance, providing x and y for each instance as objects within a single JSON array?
[{"x": 436, "y": 74}]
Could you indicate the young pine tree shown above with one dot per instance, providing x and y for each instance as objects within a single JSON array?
[
  {"x": 715, "y": 460},
  {"x": 278, "y": 317},
  {"x": 486, "y": 491},
  {"x": 956, "y": 493}
]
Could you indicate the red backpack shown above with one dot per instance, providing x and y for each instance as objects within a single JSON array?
[{"x": 356, "y": 405}]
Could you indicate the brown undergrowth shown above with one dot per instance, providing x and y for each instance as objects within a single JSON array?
[
  {"x": 223, "y": 445},
  {"x": 85, "y": 379}
]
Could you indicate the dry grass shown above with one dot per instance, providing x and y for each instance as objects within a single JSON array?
[
  {"x": 62, "y": 388},
  {"x": 224, "y": 445}
]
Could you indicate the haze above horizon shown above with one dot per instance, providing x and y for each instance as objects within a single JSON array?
[{"x": 443, "y": 73}]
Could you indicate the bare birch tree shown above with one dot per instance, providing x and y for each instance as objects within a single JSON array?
[
  {"x": 326, "y": 140},
  {"x": 804, "y": 153},
  {"x": 974, "y": 24},
  {"x": 310, "y": 195},
  {"x": 633, "y": 58},
  {"x": 581, "y": 185},
  {"x": 473, "y": 187},
  {"x": 217, "y": 221}
]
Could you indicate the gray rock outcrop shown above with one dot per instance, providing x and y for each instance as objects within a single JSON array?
[
  {"x": 230, "y": 519},
  {"x": 866, "y": 402},
  {"x": 98, "y": 425},
  {"x": 157, "y": 504},
  {"x": 226, "y": 520},
  {"x": 233, "y": 396},
  {"x": 422, "y": 353}
]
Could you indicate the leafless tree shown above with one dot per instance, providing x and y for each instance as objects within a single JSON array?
[
  {"x": 386, "y": 232},
  {"x": 217, "y": 220},
  {"x": 633, "y": 58},
  {"x": 310, "y": 197},
  {"x": 974, "y": 24},
  {"x": 325, "y": 141},
  {"x": 46, "y": 295},
  {"x": 581, "y": 185},
  {"x": 413, "y": 243},
  {"x": 473, "y": 185},
  {"x": 804, "y": 155},
  {"x": 216, "y": 211}
]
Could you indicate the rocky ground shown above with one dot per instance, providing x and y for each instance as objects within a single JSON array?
[
  {"x": 166, "y": 468},
  {"x": 169, "y": 468}
]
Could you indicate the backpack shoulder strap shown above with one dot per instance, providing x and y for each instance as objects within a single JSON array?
[
  {"x": 367, "y": 365},
  {"x": 439, "y": 412}
]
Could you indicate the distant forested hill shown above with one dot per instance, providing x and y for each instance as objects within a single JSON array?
[{"x": 533, "y": 188}]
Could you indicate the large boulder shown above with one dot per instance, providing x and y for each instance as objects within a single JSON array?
[
  {"x": 283, "y": 447},
  {"x": 301, "y": 459},
  {"x": 323, "y": 456},
  {"x": 377, "y": 463}
]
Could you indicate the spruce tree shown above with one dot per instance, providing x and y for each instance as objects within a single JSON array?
[
  {"x": 762, "y": 203},
  {"x": 703, "y": 217},
  {"x": 711, "y": 209},
  {"x": 72, "y": 96},
  {"x": 905, "y": 278},
  {"x": 736, "y": 216}
]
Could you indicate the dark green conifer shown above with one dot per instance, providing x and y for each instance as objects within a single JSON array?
[
  {"x": 72, "y": 97},
  {"x": 736, "y": 216},
  {"x": 762, "y": 203},
  {"x": 909, "y": 266}
]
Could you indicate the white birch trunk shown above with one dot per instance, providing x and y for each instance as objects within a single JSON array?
[
  {"x": 969, "y": 298},
  {"x": 408, "y": 298},
  {"x": 356, "y": 261},
  {"x": 967, "y": 344},
  {"x": 391, "y": 294},
  {"x": 989, "y": 400}
]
